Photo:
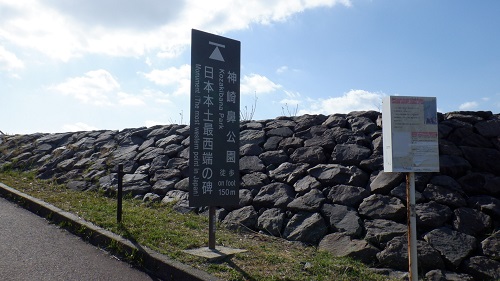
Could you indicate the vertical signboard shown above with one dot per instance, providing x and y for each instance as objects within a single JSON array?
[
  {"x": 214, "y": 121},
  {"x": 410, "y": 134}
]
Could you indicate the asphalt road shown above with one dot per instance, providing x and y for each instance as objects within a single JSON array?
[{"x": 33, "y": 249}]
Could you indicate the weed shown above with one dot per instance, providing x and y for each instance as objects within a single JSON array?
[
  {"x": 65, "y": 224},
  {"x": 291, "y": 113},
  {"x": 135, "y": 257},
  {"x": 246, "y": 114},
  {"x": 168, "y": 232},
  {"x": 192, "y": 225},
  {"x": 7, "y": 167},
  {"x": 81, "y": 230},
  {"x": 174, "y": 121},
  {"x": 114, "y": 247}
]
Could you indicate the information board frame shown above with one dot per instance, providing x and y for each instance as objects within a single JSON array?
[{"x": 410, "y": 134}]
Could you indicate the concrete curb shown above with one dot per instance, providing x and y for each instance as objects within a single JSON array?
[{"x": 152, "y": 262}]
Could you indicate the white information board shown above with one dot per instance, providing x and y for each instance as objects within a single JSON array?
[{"x": 410, "y": 134}]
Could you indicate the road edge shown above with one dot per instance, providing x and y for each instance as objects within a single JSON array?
[{"x": 152, "y": 262}]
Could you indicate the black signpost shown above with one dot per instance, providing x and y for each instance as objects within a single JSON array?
[{"x": 214, "y": 123}]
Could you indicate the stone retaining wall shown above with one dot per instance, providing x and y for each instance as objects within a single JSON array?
[{"x": 313, "y": 178}]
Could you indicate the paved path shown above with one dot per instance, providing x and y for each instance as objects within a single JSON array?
[{"x": 33, "y": 249}]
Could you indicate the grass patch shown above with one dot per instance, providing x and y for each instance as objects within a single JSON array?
[{"x": 169, "y": 232}]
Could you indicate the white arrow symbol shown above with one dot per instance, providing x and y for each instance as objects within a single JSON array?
[{"x": 216, "y": 55}]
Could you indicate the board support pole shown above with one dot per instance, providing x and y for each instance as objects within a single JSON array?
[
  {"x": 412, "y": 227},
  {"x": 211, "y": 228}
]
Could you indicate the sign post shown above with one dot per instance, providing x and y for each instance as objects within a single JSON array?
[
  {"x": 211, "y": 228},
  {"x": 119, "y": 196},
  {"x": 410, "y": 136},
  {"x": 412, "y": 226},
  {"x": 214, "y": 124}
]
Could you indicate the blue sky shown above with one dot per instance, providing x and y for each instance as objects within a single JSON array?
[{"x": 89, "y": 65}]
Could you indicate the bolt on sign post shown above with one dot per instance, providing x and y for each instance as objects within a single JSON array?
[
  {"x": 410, "y": 144},
  {"x": 214, "y": 123}
]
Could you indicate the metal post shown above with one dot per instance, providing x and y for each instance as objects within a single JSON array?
[
  {"x": 119, "y": 194},
  {"x": 211, "y": 226},
  {"x": 412, "y": 226}
]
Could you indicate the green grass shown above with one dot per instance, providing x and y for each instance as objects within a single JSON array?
[{"x": 169, "y": 232}]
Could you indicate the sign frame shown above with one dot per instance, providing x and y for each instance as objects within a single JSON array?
[{"x": 410, "y": 134}]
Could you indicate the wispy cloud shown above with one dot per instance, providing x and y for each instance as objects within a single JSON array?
[
  {"x": 282, "y": 69},
  {"x": 293, "y": 98}
]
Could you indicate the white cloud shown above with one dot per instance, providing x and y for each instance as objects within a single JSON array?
[
  {"x": 134, "y": 14},
  {"x": 173, "y": 76},
  {"x": 156, "y": 96},
  {"x": 79, "y": 126},
  {"x": 92, "y": 88},
  {"x": 30, "y": 24},
  {"x": 255, "y": 83},
  {"x": 9, "y": 61},
  {"x": 240, "y": 14},
  {"x": 471, "y": 105},
  {"x": 66, "y": 29},
  {"x": 130, "y": 100},
  {"x": 354, "y": 100},
  {"x": 99, "y": 87}
]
